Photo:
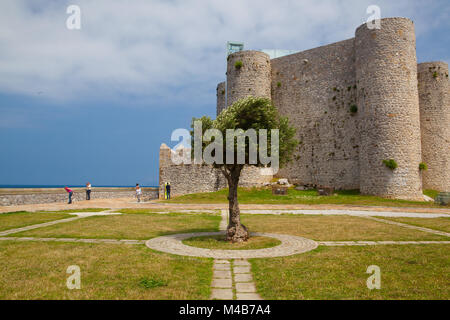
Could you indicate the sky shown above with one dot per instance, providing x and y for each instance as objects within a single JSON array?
[{"x": 95, "y": 104}]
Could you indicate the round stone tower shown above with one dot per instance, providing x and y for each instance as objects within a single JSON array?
[
  {"x": 388, "y": 102},
  {"x": 221, "y": 97},
  {"x": 248, "y": 74},
  {"x": 434, "y": 100}
]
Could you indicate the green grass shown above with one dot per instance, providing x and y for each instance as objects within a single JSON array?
[
  {"x": 128, "y": 226},
  {"x": 333, "y": 228},
  {"x": 310, "y": 197},
  {"x": 431, "y": 193},
  {"x": 37, "y": 270},
  {"x": 21, "y": 219},
  {"x": 440, "y": 224},
  {"x": 79, "y": 210},
  {"x": 219, "y": 242},
  {"x": 407, "y": 272}
]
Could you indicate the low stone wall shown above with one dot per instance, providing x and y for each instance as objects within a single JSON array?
[{"x": 11, "y": 197}]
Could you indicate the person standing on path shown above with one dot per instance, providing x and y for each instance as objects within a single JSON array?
[
  {"x": 88, "y": 191},
  {"x": 138, "y": 192},
  {"x": 70, "y": 192},
  {"x": 168, "y": 190}
]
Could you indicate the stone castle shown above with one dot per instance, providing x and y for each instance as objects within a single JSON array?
[{"x": 354, "y": 103}]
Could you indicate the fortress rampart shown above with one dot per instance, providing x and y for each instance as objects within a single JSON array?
[
  {"x": 434, "y": 98},
  {"x": 356, "y": 103}
]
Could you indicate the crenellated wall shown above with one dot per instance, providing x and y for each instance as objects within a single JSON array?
[
  {"x": 434, "y": 98},
  {"x": 354, "y": 103}
]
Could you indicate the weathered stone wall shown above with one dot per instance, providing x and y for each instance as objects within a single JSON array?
[
  {"x": 194, "y": 178},
  {"x": 316, "y": 89},
  {"x": 36, "y": 196},
  {"x": 221, "y": 97},
  {"x": 252, "y": 79},
  {"x": 355, "y": 103},
  {"x": 434, "y": 100},
  {"x": 388, "y": 100}
]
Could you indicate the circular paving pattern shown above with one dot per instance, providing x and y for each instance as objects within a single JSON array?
[{"x": 290, "y": 245}]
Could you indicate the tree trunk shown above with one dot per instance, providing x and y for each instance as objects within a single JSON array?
[{"x": 236, "y": 232}]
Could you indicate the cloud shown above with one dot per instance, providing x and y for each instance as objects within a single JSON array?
[{"x": 154, "y": 51}]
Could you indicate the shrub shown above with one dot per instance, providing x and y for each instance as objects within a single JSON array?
[
  {"x": 391, "y": 164},
  {"x": 238, "y": 64},
  {"x": 354, "y": 108},
  {"x": 435, "y": 74},
  {"x": 278, "y": 84},
  {"x": 423, "y": 166}
]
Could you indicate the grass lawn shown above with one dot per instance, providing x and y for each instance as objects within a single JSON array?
[
  {"x": 333, "y": 228},
  {"x": 219, "y": 242},
  {"x": 407, "y": 272},
  {"x": 129, "y": 226},
  {"x": 37, "y": 270},
  {"x": 20, "y": 219},
  {"x": 264, "y": 196},
  {"x": 441, "y": 224}
]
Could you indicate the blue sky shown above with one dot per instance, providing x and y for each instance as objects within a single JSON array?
[{"x": 95, "y": 104}]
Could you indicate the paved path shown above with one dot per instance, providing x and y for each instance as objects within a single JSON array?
[
  {"x": 233, "y": 279},
  {"x": 393, "y": 214},
  {"x": 437, "y": 232},
  {"x": 35, "y": 226},
  {"x": 111, "y": 241},
  {"x": 78, "y": 215},
  {"x": 375, "y": 243},
  {"x": 290, "y": 245},
  {"x": 224, "y": 222}
]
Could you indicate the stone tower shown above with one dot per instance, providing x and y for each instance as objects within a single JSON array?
[
  {"x": 434, "y": 97},
  {"x": 252, "y": 78},
  {"x": 388, "y": 102}
]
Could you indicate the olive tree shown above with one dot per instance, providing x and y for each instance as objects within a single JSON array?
[{"x": 249, "y": 132}]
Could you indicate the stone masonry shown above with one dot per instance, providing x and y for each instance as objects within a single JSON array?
[{"x": 354, "y": 104}]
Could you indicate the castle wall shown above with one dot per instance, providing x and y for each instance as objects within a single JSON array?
[
  {"x": 386, "y": 74},
  {"x": 316, "y": 89},
  {"x": 354, "y": 104},
  {"x": 434, "y": 100},
  {"x": 194, "y": 178},
  {"x": 221, "y": 97},
  {"x": 252, "y": 79}
]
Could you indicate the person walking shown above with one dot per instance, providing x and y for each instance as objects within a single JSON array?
[
  {"x": 168, "y": 190},
  {"x": 138, "y": 192},
  {"x": 70, "y": 192},
  {"x": 88, "y": 191}
]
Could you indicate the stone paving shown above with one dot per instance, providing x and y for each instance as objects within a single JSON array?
[
  {"x": 290, "y": 245},
  {"x": 360, "y": 213},
  {"x": 432, "y": 231},
  {"x": 375, "y": 243},
  {"x": 79, "y": 215},
  {"x": 233, "y": 279}
]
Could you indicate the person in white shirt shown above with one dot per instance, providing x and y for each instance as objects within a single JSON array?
[
  {"x": 138, "y": 192},
  {"x": 88, "y": 191}
]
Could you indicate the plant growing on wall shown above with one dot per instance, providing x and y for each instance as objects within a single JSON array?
[
  {"x": 278, "y": 84},
  {"x": 423, "y": 166},
  {"x": 391, "y": 164},
  {"x": 354, "y": 108},
  {"x": 238, "y": 64},
  {"x": 246, "y": 114}
]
